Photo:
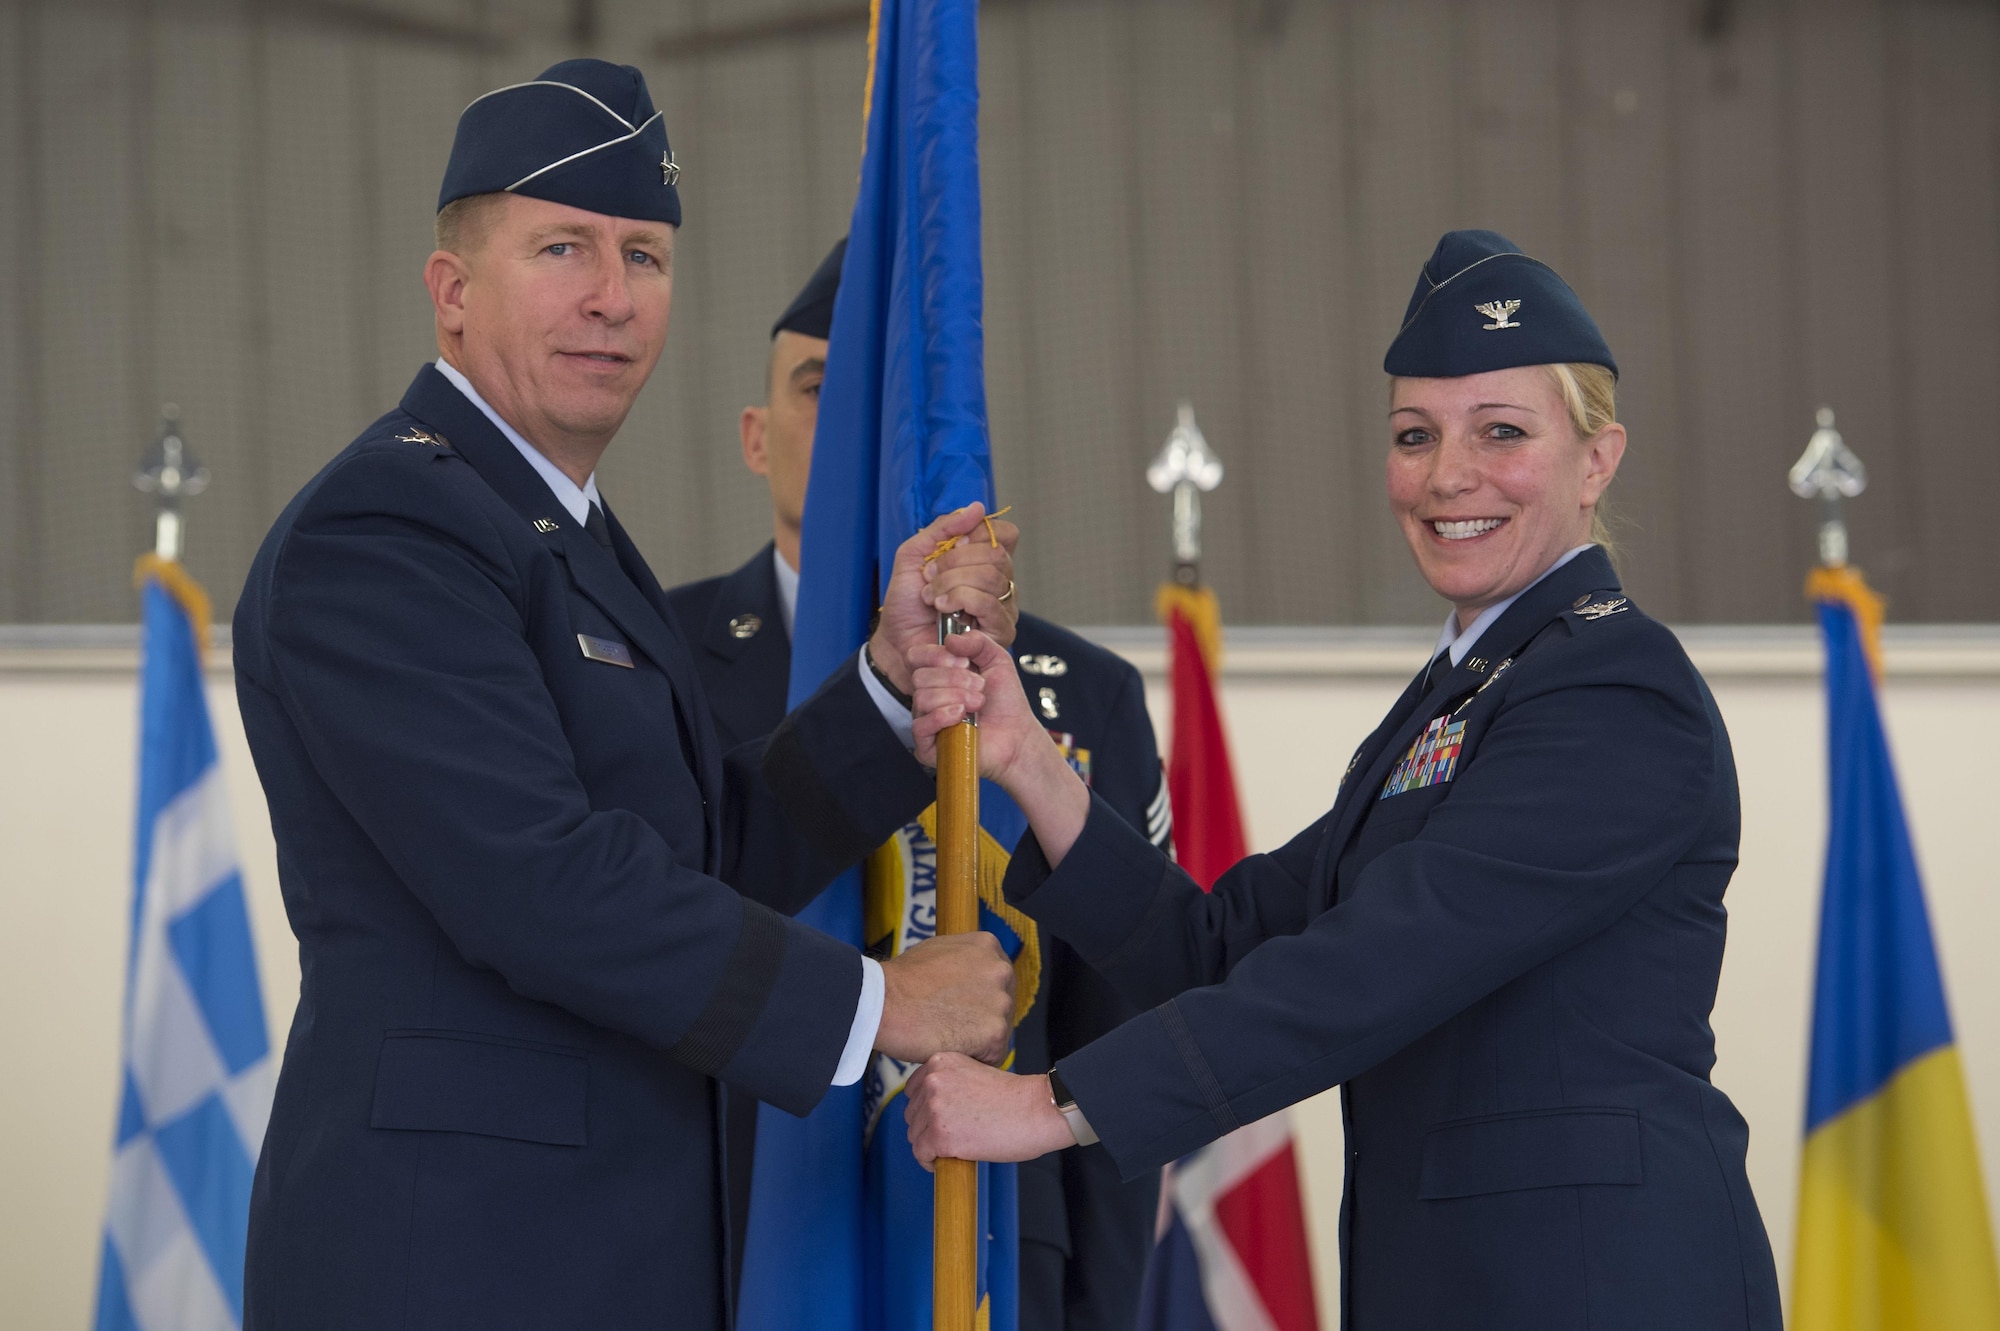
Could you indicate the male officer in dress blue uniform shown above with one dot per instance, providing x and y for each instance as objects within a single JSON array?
[
  {"x": 503, "y": 815},
  {"x": 1503, "y": 940},
  {"x": 1085, "y": 1234}
]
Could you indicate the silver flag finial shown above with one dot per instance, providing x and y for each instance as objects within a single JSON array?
[
  {"x": 1185, "y": 457},
  {"x": 1829, "y": 472},
  {"x": 171, "y": 472},
  {"x": 1186, "y": 467}
]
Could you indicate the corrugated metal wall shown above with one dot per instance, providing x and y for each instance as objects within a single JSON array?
[{"x": 1768, "y": 205}]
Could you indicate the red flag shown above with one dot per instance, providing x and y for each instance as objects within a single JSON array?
[
  {"x": 1201, "y": 785},
  {"x": 1231, "y": 1251}
]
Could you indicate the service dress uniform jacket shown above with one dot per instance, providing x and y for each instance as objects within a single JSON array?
[
  {"x": 501, "y": 814},
  {"x": 1085, "y": 1232},
  {"x": 1503, "y": 942}
]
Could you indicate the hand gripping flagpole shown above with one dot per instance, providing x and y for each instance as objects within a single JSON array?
[{"x": 955, "y": 1239}]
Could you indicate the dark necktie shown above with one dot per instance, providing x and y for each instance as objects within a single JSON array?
[
  {"x": 1442, "y": 659},
  {"x": 599, "y": 529},
  {"x": 1411, "y": 700},
  {"x": 1436, "y": 670}
]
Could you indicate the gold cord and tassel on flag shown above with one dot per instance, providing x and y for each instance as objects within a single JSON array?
[{"x": 178, "y": 583}]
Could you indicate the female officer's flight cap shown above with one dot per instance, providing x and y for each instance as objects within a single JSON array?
[
  {"x": 1481, "y": 304},
  {"x": 585, "y": 133}
]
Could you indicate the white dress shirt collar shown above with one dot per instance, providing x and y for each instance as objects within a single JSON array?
[
  {"x": 788, "y": 589},
  {"x": 575, "y": 500},
  {"x": 1461, "y": 643}
]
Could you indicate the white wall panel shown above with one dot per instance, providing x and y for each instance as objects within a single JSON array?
[{"x": 1294, "y": 714}]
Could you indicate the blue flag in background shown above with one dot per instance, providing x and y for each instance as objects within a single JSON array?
[
  {"x": 1893, "y": 1229},
  {"x": 902, "y": 413},
  {"x": 835, "y": 1245},
  {"x": 197, "y": 1066}
]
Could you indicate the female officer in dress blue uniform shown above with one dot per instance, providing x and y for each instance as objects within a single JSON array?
[{"x": 1502, "y": 941}]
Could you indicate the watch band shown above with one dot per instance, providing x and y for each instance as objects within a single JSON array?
[
  {"x": 887, "y": 683},
  {"x": 1065, "y": 1103}
]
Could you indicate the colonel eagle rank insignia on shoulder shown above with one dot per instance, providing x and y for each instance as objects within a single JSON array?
[{"x": 1616, "y": 605}]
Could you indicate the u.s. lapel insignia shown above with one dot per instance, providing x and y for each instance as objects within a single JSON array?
[
  {"x": 1046, "y": 699},
  {"x": 1501, "y": 312},
  {"x": 1476, "y": 664},
  {"x": 423, "y": 437},
  {"x": 745, "y": 626},
  {"x": 1432, "y": 758},
  {"x": 1045, "y": 665},
  {"x": 1485, "y": 684},
  {"x": 1615, "y": 606},
  {"x": 545, "y": 525}
]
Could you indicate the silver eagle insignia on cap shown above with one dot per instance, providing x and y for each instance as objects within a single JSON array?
[
  {"x": 670, "y": 170},
  {"x": 1501, "y": 312}
]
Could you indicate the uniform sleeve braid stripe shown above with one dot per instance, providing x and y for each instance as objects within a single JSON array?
[{"x": 737, "y": 1000}]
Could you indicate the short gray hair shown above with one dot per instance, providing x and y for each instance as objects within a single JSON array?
[{"x": 462, "y": 225}]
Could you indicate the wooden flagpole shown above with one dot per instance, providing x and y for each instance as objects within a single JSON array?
[{"x": 955, "y": 1252}]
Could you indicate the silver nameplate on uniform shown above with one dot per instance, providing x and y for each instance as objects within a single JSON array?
[{"x": 605, "y": 650}]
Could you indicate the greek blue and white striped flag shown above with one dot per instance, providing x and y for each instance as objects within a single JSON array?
[{"x": 197, "y": 1055}]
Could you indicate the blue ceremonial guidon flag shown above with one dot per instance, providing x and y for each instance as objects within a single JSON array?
[
  {"x": 197, "y": 1055},
  {"x": 841, "y": 1216},
  {"x": 900, "y": 910}
]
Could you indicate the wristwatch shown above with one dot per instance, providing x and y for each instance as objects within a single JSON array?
[
  {"x": 1065, "y": 1103},
  {"x": 882, "y": 676}
]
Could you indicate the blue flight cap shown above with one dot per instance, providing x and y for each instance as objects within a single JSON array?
[
  {"x": 584, "y": 133},
  {"x": 811, "y": 311},
  {"x": 1481, "y": 304}
]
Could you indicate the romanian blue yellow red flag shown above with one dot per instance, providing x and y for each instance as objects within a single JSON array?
[
  {"x": 840, "y": 1227},
  {"x": 1893, "y": 1232}
]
